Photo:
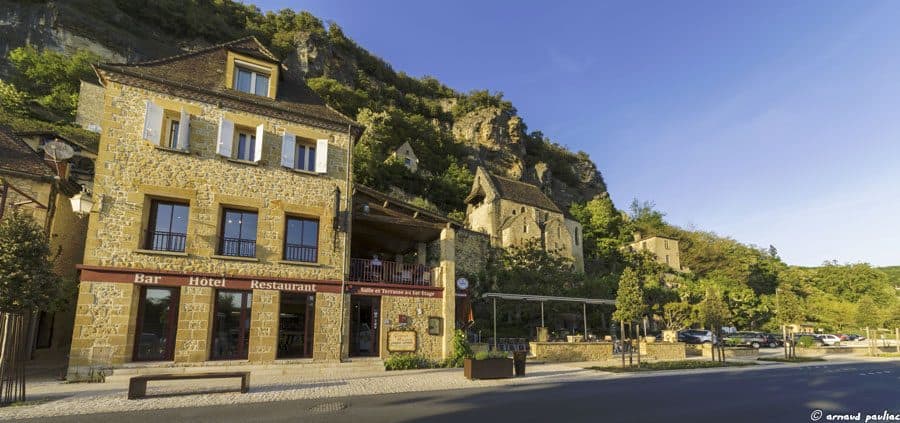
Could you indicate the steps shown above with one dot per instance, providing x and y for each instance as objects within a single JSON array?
[{"x": 356, "y": 367}]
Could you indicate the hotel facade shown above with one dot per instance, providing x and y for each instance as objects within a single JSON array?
[{"x": 226, "y": 227}]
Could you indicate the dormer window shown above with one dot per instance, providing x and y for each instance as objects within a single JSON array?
[{"x": 251, "y": 79}]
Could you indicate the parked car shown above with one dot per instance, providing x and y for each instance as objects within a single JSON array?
[
  {"x": 751, "y": 339},
  {"x": 855, "y": 337},
  {"x": 772, "y": 340},
  {"x": 704, "y": 335},
  {"x": 829, "y": 339},
  {"x": 688, "y": 338}
]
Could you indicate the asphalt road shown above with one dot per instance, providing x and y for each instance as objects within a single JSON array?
[{"x": 780, "y": 394}]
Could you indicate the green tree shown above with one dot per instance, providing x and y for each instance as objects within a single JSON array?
[
  {"x": 677, "y": 315},
  {"x": 630, "y": 305},
  {"x": 27, "y": 281},
  {"x": 867, "y": 314},
  {"x": 713, "y": 312},
  {"x": 52, "y": 79},
  {"x": 12, "y": 100}
]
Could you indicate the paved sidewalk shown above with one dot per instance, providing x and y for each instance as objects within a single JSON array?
[{"x": 52, "y": 398}]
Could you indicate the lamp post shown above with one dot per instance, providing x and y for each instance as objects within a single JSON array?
[{"x": 82, "y": 203}]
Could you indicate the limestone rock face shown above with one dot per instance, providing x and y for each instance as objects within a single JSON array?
[
  {"x": 496, "y": 137},
  {"x": 314, "y": 56}
]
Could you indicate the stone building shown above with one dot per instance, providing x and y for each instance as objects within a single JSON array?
[
  {"x": 405, "y": 155},
  {"x": 514, "y": 213},
  {"x": 228, "y": 229},
  {"x": 664, "y": 249},
  {"x": 42, "y": 188}
]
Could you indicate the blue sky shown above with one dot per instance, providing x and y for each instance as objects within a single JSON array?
[{"x": 770, "y": 122}]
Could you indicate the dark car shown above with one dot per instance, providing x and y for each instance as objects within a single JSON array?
[
  {"x": 773, "y": 341},
  {"x": 687, "y": 338},
  {"x": 749, "y": 339}
]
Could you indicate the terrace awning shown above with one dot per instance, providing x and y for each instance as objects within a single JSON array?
[{"x": 542, "y": 299}]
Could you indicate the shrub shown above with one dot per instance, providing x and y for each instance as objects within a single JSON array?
[
  {"x": 485, "y": 355},
  {"x": 806, "y": 342},
  {"x": 408, "y": 362},
  {"x": 461, "y": 350}
]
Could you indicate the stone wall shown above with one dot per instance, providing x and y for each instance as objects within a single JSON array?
[
  {"x": 90, "y": 106},
  {"x": 472, "y": 252},
  {"x": 327, "y": 335},
  {"x": 264, "y": 326},
  {"x": 664, "y": 351},
  {"x": 572, "y": 351},
  {"x": 104, "y": 334},
  {"x": 732, "y": 352},
  {"x": 40, "y": 190},
  {"x": 131, "y": 171},
  {"x": 192, "y": 336},
  {"x": 418, "y": 311}
]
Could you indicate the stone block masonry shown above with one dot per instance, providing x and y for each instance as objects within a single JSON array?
[
  {"x": 418, "y": 310},
  {"x": 104, "y": 327},
  {"x": 264, "y": 326},
  {"x": 327, "y": 344},
  {"x": 192, "y": 337}
]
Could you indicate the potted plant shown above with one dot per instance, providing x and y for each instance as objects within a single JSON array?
[{"x": 489, "y": 365}]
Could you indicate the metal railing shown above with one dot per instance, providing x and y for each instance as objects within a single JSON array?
[
  {"x": 237, "y": 247},
  {"x": 165, "y": 241},
  {"x": 296, "y": 252},
  {"x": 365, "y": 270}
]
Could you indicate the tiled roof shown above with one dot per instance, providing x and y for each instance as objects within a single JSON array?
[
  {"x": 524, "y": 193},
  {"x": 201, "y": 75},
  {"x": 17, "y": 156}
]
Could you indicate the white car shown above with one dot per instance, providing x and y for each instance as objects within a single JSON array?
[{"x": 829, "y": 339}]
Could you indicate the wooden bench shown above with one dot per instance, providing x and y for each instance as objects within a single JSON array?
[{"x": 137, "y": 385}]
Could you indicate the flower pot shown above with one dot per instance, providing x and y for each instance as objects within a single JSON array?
[
  {"x": 491, "y": 368},
  {"x": 519, "y": 358}
]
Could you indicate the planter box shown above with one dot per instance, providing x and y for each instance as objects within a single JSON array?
[{"x": 492, "y": 368}]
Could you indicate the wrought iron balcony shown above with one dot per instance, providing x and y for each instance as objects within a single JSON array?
[
  {"x": 365, "y": 270},
  {"x": 165, "y": 241}
]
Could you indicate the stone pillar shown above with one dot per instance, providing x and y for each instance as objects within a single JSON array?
[
  {"x": 195, "y": 314},
  {"x": 421, "y": 253},
  {"x": 327, "y": 334},
  {"x": 448, "y": 281},
  {"x": 264, "y": 325},
  {"x": 103, "y": 333}
]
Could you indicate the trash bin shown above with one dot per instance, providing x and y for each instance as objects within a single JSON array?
[{"x": 519, "y": 362}]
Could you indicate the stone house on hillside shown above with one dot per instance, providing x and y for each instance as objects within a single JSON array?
[
  {"x": 405, "y": 155},
  {"x": 229, "y": 229},
  {"x": 42, "y": 188},
  {"x": 513, "y": 213},
  {"x": 663, "y": 248}
]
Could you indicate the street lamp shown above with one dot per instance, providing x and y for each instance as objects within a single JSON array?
[{"x": 82, "y": 203}]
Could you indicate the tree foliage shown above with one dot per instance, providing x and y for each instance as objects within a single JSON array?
[
  {"x": 26, "y": 279},
  {"x": 50, "y": 78},
  {"x": 630, "y": 304}
]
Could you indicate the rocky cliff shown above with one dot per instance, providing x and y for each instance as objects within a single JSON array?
[{"x": 492, "y": 136}]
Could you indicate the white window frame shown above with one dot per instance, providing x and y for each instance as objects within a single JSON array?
[{"x": 254, "y": 71}]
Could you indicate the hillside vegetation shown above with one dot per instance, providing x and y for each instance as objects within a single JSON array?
[{"x": 48, "y": 47}]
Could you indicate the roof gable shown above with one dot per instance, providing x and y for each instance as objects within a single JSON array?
[
  {"x": 487, "y": 184},
  {"x": 204, "y": 71},
  {"x": 17, "y": 156}
]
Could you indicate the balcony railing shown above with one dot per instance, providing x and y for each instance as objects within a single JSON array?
[
  {"x": 238, "y": 247},
  {"x": 166, "y": 241},
  {"x": 364, "y": 270},
  {"x": 295, "y": 252}
]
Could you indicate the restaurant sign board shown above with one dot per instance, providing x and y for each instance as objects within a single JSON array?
[{"x": 401, "y": 341}]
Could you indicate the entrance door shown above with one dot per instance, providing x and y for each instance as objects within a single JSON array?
[
  {"x": 156, "y": 324},
  {"x": 364, "y": 328}
]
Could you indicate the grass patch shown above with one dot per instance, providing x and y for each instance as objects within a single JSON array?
[
  {"x": 792, "y": 360},
  {"x": 893, "y": 354},
  {"x": 671, "y": 365}
]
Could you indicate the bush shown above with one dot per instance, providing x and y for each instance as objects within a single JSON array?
[
  {"x": 409, "y": 362},
  {"x": 461, "y": 350},
  {"x": 806, "y": 342},
  {"x": 485, "y": 355}
]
